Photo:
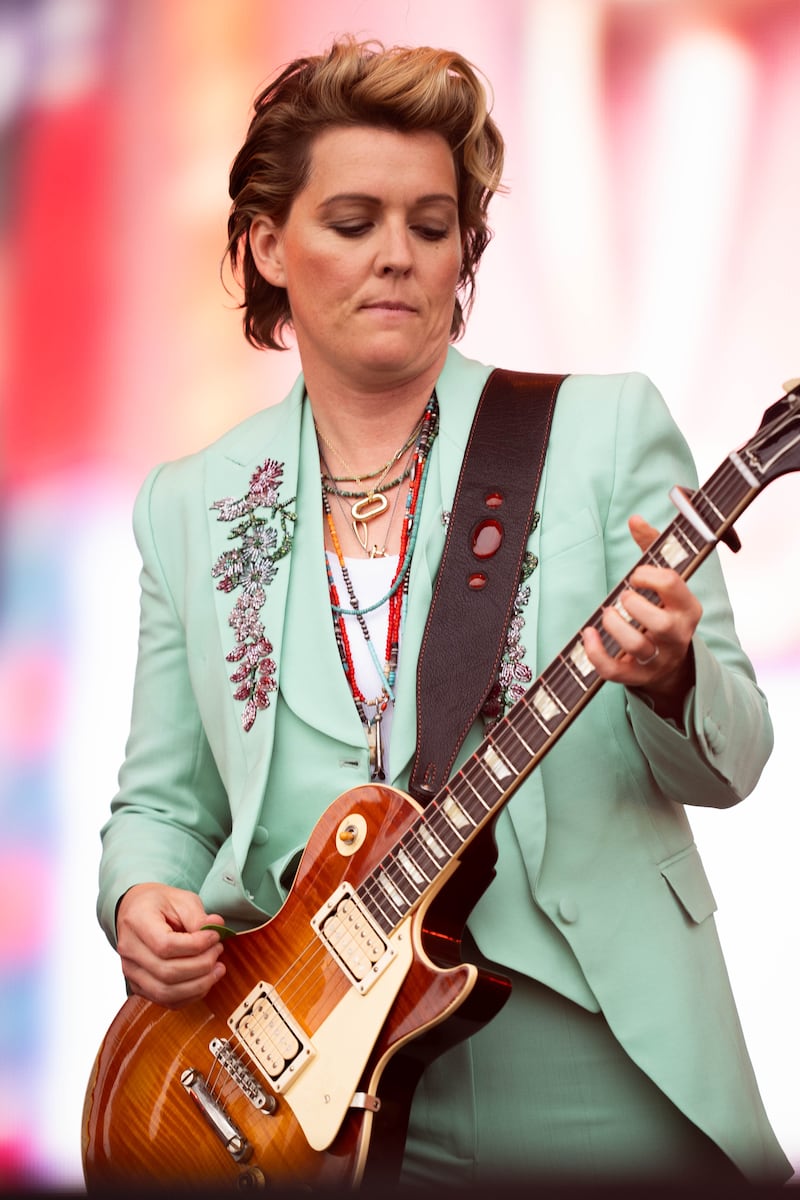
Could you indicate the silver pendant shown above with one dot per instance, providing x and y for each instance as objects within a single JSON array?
[{"x": 375, "y": 743}]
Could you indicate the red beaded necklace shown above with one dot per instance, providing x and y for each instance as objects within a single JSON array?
[{"x": 396, "y": 597}]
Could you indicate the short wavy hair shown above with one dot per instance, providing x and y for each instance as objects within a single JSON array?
[{"x": 407, "y": 89}]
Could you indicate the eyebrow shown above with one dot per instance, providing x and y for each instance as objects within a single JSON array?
[{"x": 431, "y": 198}]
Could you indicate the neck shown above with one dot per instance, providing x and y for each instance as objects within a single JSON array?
[{"x": 368, "y": 425}]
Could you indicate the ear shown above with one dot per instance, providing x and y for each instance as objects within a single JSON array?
[{"x": 266, "y": 246}]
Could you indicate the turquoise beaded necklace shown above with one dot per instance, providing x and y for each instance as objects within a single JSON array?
[{"x": 395, "y": 597}]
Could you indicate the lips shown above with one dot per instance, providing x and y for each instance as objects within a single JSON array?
[{"x": 389, "y": 306}]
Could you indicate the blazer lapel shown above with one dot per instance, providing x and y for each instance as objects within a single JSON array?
[
  {"x": 272, "y": 435},
  {"x": 312, "y": 681}
]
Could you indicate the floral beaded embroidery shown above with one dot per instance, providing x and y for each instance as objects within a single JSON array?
[
  {"x": 514, "y": 675},
  {"x": 252, "y": 566}
]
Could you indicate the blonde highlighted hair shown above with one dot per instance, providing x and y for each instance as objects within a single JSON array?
[{"x": 407, "y": 89}]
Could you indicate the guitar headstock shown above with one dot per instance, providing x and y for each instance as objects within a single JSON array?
[{"x": 775, "y": 449}]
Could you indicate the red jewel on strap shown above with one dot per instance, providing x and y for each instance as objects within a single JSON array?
[{"x": 487, "y": 538}]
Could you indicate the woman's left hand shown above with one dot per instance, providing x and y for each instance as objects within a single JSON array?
[{"x": 656, "y": 655}]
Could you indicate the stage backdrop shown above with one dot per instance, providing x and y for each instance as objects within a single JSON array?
[{"x": 651, "y": 224}]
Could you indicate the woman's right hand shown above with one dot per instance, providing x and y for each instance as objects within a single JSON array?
[{"x": 166, "y": 954}]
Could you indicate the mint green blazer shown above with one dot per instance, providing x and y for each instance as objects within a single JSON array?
[{"x": 600, "y": 891}]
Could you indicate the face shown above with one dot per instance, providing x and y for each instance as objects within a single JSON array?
[{"x": 370, "y": 255}]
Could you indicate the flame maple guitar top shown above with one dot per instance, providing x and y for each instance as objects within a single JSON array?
[{"x": 272, "y": 1077}]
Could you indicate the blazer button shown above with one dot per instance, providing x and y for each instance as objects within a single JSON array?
[
  {"x": 714, "y": 735},
  {"x": 568, "y": 911},
  {"x": 260, "y": 835}
]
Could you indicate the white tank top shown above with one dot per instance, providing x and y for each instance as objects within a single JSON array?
[{"x": 371, "y": 579}]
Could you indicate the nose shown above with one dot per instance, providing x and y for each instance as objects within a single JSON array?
[{"x": 394, "y": 256}]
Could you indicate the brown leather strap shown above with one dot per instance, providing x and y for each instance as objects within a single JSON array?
[{"x": 478, "y": 579}]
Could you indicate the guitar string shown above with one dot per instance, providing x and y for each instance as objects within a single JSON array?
[
  {"x": 730, "y": 480},
  {"x": 442, "y": 827},
  {"x": 557, "y": 675},
  {"x": 560, "y": 674}
]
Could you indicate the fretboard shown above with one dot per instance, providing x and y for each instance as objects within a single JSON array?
[{"x": 516, "y": 744}]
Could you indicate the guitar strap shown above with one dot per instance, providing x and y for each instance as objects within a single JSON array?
[{"x": 477, "y": 583}]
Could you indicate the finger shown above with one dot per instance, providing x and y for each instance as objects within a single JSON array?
[
  {"x": 646, "y": 659},
  {"x": 642, "y": 532},
  {"x": 172, "y": 961},
  {"x": 637, "y": 649},
  {"x": 145, "y": 938},
  {"x": 624, "y": 621},
  {"x": 171, "y": 994},
  {"x": 141, "y": 963},
  {"x": 184, "y": 911}
]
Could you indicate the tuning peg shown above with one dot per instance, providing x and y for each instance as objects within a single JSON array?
[{"x": 791, "y": 385}]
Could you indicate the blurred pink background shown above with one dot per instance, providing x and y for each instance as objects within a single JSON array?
[{"x": 651, "y": 224}]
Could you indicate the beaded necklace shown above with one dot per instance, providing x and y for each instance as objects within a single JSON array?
[
  {"x": 372, "y": 503},
  {"x": 396, "y": 597},
  {"x": 381, "y": 471},
  {"x": 376, "y": 551},
  {"x": 329, "y": 485}
]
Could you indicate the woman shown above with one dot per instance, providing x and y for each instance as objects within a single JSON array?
[{"x": 280, "y": 634}]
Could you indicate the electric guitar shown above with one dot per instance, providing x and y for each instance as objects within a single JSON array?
[{"x": 298, "y": 1067}]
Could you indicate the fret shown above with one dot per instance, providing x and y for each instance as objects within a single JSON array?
[
  {"x": 411, "y": 865},
  {"x": 722, "y": 501},
  {"x": 577, "y": 662},
  {"x": 494, "y": 761},
  {"x": 514, "y": 729},
  {"x": 707, "y": 510},
  {"x": 684, "y": 502},
  {"x": 509, "y": 742},
  {"x": 564, "y": 683},
  {"x": 431, "y": 843},
  {"x": 402, "y": 871},
  {"x": 703, "y": 501},
  {"x": 545, "y": 704},
  {"x": 677, "y": 547},
  {"x": 575, "y": 685},
  {"x": 464, "y": 778},
  {"x": 458, "y": 817},
  {"x": 445, "y": 831},
  {"x": 378, "y": 903},
  {"x": 395, "y": 897},
  {"x": 534, "y": 712},
  {"x": 488, "y": 773}
]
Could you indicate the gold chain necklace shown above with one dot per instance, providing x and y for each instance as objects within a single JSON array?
[
  {"x": 361, "y": 532},
  {"x": 374, "y": 504},
  {"x": 381, "y": 471}
]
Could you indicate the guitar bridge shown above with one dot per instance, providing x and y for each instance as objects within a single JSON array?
[{"x": 247, "y": 1083}]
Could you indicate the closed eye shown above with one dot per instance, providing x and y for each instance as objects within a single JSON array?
[
  {"x": 352, "y": 230},
  {"x": 431, "y": 233}
]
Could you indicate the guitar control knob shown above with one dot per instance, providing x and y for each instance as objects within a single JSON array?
[{"x": 253, "y": 1177}]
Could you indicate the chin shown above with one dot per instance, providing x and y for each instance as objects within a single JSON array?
[{"x": 402, "y": 360}]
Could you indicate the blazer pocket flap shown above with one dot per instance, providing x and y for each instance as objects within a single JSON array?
[
  {"x": 574, "y": 531},
  {"x": 685, "y": 874}
]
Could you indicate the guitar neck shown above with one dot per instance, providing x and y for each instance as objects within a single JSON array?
[{"x": 517, "y": 743}]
